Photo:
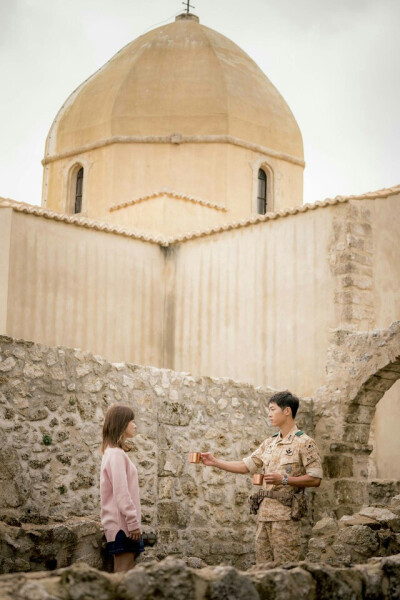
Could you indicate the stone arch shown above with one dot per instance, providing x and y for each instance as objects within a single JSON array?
[
  {"x": 362, "y": 367},
  {"x": 361, "y": 410}
]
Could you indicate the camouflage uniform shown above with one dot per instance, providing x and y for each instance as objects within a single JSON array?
[{"x": 278, "y": 535}]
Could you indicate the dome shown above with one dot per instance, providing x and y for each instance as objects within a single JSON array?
[{"x": 181, "y": 79}]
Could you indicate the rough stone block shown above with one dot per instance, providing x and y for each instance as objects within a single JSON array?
[
  {"x": 328, "y": 584},
  {"x": 359, "y": 413},
  {"x": 364, "y": 540},
  {"x": 173, "y": 514},
  {"x": 350, "y": 492},
  {"x": 394, "y": 504},
  {"x": 283, "y": 584},
  {"x": 325, "y": 526},
  {"x": 356, "y": 433},
  {"x": 226, "y": 582},
  {"x": 380, "y": 492},
  {"x": 170, "y": 464},
  {"x": 357, "y": 519},
  {"x": 383, "y": 516},
  {"x": 171, "y": 578},
  {"x": 174, "y": 413},
  {"x": 7, "y": 365},
  {"x": 337, "y": 466}
]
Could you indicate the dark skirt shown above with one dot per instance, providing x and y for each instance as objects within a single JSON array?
[{"x": 123, "y": 543}]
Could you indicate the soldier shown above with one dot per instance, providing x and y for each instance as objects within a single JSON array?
[{"x": 290, "y": 462}]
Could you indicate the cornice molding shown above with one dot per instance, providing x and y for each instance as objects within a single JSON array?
[{"x": 174, "y": 138}]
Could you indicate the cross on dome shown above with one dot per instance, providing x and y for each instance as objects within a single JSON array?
[{"x": 188, "y": 6}]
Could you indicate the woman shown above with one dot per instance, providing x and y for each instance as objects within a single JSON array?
[{"x": 119, "y": 489}]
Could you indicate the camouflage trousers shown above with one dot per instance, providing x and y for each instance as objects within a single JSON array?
[{"x": 277, "y": 541}]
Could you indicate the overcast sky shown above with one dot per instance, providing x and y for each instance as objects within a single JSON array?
[{"x": 336, "y": 62}]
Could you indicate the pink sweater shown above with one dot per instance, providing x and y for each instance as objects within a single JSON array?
[{"x": 119, "y": 493}]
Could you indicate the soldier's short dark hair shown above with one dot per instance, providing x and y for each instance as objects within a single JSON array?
[{"x": 284, "y": 399}]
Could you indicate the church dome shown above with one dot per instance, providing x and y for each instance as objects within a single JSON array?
[{"x": 181, "y": 79}]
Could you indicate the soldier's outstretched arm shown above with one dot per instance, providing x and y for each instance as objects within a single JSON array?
[{"x": 232, "y": 466}]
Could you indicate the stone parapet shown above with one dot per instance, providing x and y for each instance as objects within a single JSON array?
[{"x": 174, "y": 579}]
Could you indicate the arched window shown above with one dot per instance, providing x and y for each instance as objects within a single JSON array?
[
  {"x": 262, "y": 192},
  {"x": 78, "y": 191}
]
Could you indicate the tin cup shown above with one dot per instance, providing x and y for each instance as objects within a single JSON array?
[
  {"x": 195, "y": 457},
  {"x": 258, "y": 479}
]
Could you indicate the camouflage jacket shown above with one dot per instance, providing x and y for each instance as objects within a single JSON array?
[{"x": 296, "y": 454}]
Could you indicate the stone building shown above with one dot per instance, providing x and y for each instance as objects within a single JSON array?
[{"x": 172, "y": 234}]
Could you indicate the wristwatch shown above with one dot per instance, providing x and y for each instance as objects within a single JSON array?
[{"x": 284, "y": 479}]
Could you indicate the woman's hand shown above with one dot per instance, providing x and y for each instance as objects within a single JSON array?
[
  {"x": 135, "y": 535},
  {"x": 274, "y": 478},
  {"x": 208, "y": 459}
]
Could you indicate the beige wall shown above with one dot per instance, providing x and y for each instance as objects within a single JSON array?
[
  {"x": 256, "y": 304},
  {"x": 222, "y": 174},
  {"x": 385, "y": 216},
  {"x": 92, "y": 290},
  {"x": 384, "y": 460},
  {"x": 5, "y": 239}
]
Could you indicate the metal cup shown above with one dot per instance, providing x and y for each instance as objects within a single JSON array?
[
  {"x": 258, "y": 479},
  {"x": 195, "y": 457}
]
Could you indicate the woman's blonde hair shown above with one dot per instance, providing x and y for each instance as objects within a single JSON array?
[{"x": 116, "y": 421}]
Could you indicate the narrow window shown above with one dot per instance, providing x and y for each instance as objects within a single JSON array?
[
  {"x": 78, "y": 191},
  {"x": 262, "y": 192}
]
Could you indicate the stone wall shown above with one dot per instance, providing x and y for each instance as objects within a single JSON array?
[
  {"x": 372, "y": 532},
  {"x": 174, "y": 579},
  {"x": 52, "y": 405}
]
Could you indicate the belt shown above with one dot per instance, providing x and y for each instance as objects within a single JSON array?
[
  {"x": 255, "y": 500},
  {"x": 283, "y": 497}
]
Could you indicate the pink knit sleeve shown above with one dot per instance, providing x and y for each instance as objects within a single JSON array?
[{"x": 121, "y": 495}]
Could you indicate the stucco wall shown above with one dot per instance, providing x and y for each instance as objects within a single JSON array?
[
  {"x": 385, "y": 216},
  {"x": 218, "y": 173},
  {"x": 87, "y": 289},
  {"x": 384, "y": 437},
  {"x": 257, "y": 303}
]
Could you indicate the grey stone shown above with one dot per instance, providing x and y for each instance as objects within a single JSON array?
[
  {"x": 173, "y": 514},
  {"x": 174, "y": 413},
  {"x": 363, "y": 539},
  {"x": 283, "y": 584},
  {"x": 391, "y": 570},
  {"x": 225, "y": 583},
  {"x": 325, "y": 526},
  {"x": 82, "y": 582},
  {"x": 32, "y": 590},
  {"x": 327, "y": 584},
  {"x": 336, "y": 466},
  {"x": 383, "y": 515},
  {"x": 394, "y": 504},
  {"x": 357, "y": 519},
  {"x": 169, "y": 578},
  {"x": 7, "y": 365}
]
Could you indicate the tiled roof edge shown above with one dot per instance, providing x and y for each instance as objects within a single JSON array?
[
  {"x": 170, "y": 194},
  {"x": 383, "y": 193},
  {"x": 165, "y": 242},
  {"x": 80, "y": 221}
]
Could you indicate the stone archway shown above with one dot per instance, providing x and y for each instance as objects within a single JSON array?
[{"x": 361, "y": 368}]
